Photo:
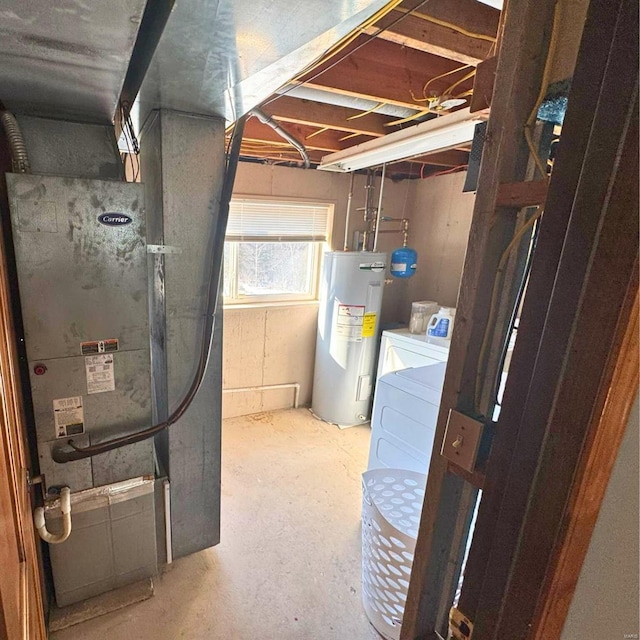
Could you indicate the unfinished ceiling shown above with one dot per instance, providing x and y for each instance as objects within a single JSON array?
[
  {"x": 350, "y": 72},
  {"x": 405, "y": 67}
]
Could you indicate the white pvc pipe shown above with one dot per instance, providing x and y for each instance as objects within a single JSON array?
[
  {"x": 266, "y": 387},
  {"x": 167, "y": 521},
  {"x": 348, "y": 216},
  {"x": 65, "y": 508},
  {"x": 375, "y": 237}
]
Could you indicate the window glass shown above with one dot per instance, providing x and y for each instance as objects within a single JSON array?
[{"x": 273, "y": 250}]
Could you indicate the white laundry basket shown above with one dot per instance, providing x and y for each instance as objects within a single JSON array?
[{"x": 391, "y": 507}]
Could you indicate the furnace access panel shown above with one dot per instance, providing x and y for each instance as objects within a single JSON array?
[{"x": 82, "y": 272}]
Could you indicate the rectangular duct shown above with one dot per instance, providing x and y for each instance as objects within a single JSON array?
[{"x": 182, "y": 166}]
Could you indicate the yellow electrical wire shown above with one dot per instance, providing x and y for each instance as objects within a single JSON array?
[
  {"x": 414, "y": 116},
  {"x": 349, "y": 38},
  {"x": 531, "y": 120},
  {"x": 350, "y": 135},
  {"x": 518, "y": 235},
  {"x": 448, "y": 90},
  {"x": 366, "y": 113},
  {"x": 450, "y": 25},
  {"x": 494, "y": 294},
  {"x": 442, "y": 75},
  {"x": 315, "y": 133}
]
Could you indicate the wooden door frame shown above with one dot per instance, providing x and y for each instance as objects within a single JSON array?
[
  {"x": 570, "y": 333},
  {"x": 21, "y": 597},
  {"x": 592, "y": 477},
  {"x": 519, "y": 557},
  {"x": 450, "y": 499}
]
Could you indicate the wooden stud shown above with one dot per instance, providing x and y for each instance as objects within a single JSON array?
[
  {"x": 522, "y": 194},
  {"x": 448, "y": 498},
  {"x": 585, "y": 91},
  {"x": 489, "y": 564},
  {"x": 317, "y": 114},
  {"x": 572, "y": 376},
  {"x": 483, "y": 83},
  {"x": 21, "y": 585},
  {"x": 417, "y": 33},
  {"x": 385, "y": 72}
]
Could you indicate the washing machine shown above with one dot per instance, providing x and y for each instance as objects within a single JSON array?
[
  {"x": 400, "y": 349},
  {"x": 405, "y": 413}
]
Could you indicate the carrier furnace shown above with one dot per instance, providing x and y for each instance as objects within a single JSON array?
[{"x": 348, "y": 331}]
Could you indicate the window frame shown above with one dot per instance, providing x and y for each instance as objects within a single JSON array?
[{"x": 319, "y": 247}]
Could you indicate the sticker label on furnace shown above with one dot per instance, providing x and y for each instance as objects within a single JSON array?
[
  {"x": 100, "y": 376},
  {"x": 68, "y": 416},
  {"x": 349, "y": 322}
]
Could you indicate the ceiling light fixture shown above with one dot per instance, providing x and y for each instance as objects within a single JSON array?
[
  {"x": 444, "y": 103},
  {"x": 438, "y": 134}
]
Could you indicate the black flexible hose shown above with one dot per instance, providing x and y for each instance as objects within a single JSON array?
[{"x": 61, "y": 454}]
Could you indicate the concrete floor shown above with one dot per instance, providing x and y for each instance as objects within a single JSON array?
[{"x": 288, "y": 566}]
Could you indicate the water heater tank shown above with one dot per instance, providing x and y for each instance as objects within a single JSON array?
[{"x": 348, "y": 332}]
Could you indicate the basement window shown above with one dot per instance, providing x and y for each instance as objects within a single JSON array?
[{"x": 273, "y": 250}]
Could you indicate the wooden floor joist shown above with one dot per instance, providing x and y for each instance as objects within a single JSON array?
[
  {"x": 432, "y": 28},
  {"x": 317, "y": 114},
  {"x": 384, "y": 72}
]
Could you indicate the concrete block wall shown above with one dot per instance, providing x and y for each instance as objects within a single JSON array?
[{"x": 268, "y": 345}]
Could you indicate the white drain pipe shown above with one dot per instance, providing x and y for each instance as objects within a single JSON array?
[
  {"x": 267, "y": 387},
  {"x": 65, "y": 508}
]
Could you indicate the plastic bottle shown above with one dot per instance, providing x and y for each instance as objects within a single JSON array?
[{"x": 440, "y": 327}]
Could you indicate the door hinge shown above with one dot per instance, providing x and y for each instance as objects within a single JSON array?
[
  {"x": 460, "y": 627},
  {"x": 32, "y": 480}
]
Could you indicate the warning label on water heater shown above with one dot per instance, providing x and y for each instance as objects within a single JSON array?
[
  {"x": 349, "y": 322},
  {"x": 68, "y": 416},
  {"x": 100, "y": 377},
  {"x": 369, "y": 325}
]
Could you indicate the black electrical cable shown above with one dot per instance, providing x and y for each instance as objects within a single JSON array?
[{"x": 61, "y": 454}]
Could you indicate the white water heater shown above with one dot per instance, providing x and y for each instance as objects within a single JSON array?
[{"x": 348, "y": 332}]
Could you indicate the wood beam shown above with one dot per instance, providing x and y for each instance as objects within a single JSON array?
[
  {"x": 450, "y": 158},
  {"x": 326, "y": 141},
  {"x": 449, "y": 500},
  {"x": 483, "y": 83},
  {"x": 522, "y": 194},
  {"x": 503, "y": 553},
  {"x": 417, "y": 31},
  {"x": 318, "y": 114},
  {"x": 385, "y": 72},
  {"x": 282, "y": 154}
]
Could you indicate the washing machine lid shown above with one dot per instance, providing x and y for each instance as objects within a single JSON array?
[
  {"x": 423, "y": 382},
  {"x": 416, "y": 342}
]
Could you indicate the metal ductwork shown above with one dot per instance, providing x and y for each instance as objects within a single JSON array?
[{"x": 285, "y": 135}]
